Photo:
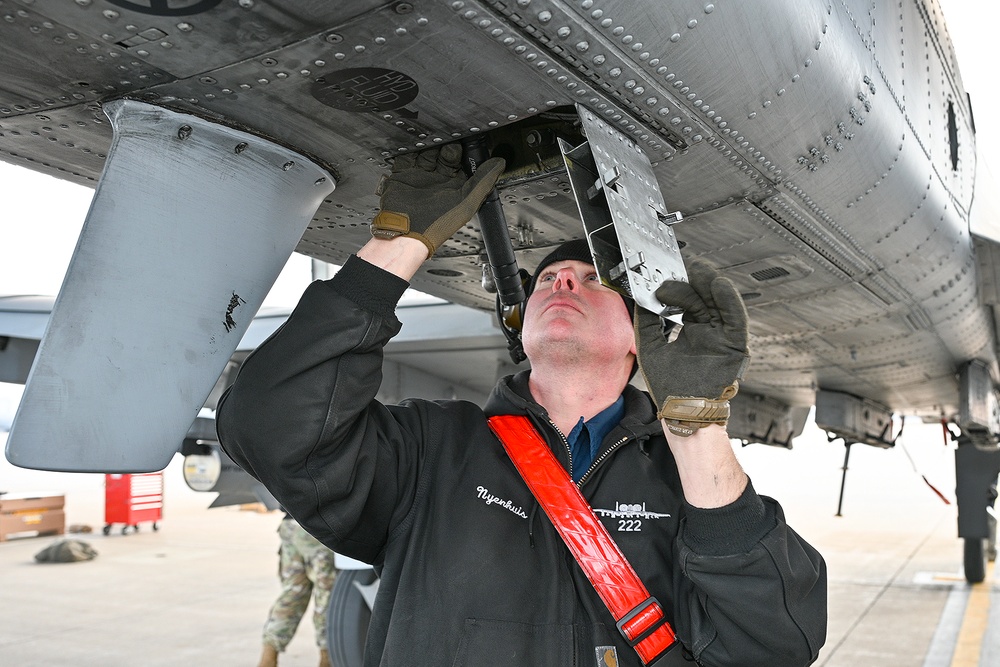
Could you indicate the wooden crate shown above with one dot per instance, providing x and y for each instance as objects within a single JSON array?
[{"x": 24, "y": 513}]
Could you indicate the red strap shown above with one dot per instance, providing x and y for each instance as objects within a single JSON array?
[{"x": 638, "y": 615}]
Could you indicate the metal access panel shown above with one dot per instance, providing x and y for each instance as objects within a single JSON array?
[
  {"x": 189, "y": 227},
  {"x": 978, "y": 407},
  {"x": 854, "y": 419},
  {"x": 760, "y": 419},
  {"x": 623, "y": 214}
]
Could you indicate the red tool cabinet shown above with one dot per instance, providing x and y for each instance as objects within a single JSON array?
[{"x": 132, "y": 499}]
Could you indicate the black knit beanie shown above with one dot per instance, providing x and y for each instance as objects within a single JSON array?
[{"x": 578, "y": 250}]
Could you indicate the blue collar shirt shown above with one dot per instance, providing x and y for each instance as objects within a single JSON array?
[{"x": 586, "y": 437}]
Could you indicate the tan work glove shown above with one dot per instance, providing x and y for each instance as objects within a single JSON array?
[
  {"x": 429, "y": 198},
  {"x": 692, "y": 378}
]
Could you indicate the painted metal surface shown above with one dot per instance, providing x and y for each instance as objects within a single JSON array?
[
  {"x": 821, "y": 154},
  {"x": 189, "y": 228}
]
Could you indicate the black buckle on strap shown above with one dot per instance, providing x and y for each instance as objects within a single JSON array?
[{"x": 638, "y": 609}]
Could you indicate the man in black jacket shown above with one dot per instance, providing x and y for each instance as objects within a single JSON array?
[{"x": 472, "y": 573}]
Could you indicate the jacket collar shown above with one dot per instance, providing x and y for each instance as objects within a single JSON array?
[{"x": 511, "y": 396}]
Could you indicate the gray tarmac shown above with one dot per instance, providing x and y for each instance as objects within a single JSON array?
[{"x": 196, "y": 591}]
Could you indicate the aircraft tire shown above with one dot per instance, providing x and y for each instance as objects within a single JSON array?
[
  {"x": 991, "y": 541},
  {"x": 347, "y": 618},
  {"x": 975, "y": 560}
]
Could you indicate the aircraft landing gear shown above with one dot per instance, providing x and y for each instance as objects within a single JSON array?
[
  {"x": 348, "y": 615},
  {"x": 978, "y": 552},
  {"x": 974, "y": 560},
  {"x": 976, "y": 472}
]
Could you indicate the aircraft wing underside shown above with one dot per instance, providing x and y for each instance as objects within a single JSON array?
[{"x": 832, "y": 189}]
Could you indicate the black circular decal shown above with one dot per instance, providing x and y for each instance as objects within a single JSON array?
[
  {"x": 167, "y": 7},
  {"x": 365, "y": 89}
]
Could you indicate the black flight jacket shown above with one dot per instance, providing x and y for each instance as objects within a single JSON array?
[{"x": 472, "y": 571}]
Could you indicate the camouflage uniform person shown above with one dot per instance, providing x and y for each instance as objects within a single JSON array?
[{"x": 306, "y": 567}]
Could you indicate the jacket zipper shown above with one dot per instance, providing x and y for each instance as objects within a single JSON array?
[
  {"x": 569, "y": 453},
  {"x": 565, "y": 442},
  {"x": 599, "y": 460},
  {"x": 593, "y": 466}
]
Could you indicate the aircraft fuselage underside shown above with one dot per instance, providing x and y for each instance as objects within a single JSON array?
[{"x": 834, "y": 190}]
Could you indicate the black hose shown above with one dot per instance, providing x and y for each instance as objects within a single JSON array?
[{"x": 493, "y": 226}]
